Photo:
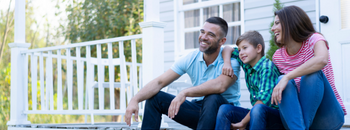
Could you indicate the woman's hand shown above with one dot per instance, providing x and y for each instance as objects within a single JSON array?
[
  {"x": 227, "y": 70},
  {"x": 277, "y": 91},
  {"x": 238, "y": 126}
]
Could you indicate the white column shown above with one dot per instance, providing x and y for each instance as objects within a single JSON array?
[
  {"x": 17, "y": 116},
  {"x": 152, "y": 42}
]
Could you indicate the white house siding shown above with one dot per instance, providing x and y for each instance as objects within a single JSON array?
[
  {"x": 259, "y": 14},
  {"x": 167, "y": 16}
]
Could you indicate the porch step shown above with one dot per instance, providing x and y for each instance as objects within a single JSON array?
[
  {"x": 99, "y": 126},
  {"x": 96, "y": 126}
]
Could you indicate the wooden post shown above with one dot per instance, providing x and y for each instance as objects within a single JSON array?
[
  {"x": 18, "y": 91},
  {"x": 152, "y": 42}
]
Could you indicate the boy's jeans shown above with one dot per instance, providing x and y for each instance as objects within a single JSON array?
[
  {"x": 315, "y": 107},
  {"x": 196, "y": 114},
  {"x": 261, "y": 117}
]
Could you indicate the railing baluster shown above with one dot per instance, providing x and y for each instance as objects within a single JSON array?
[
  {"x": 100, "y": 78},
  {"x": 130, "y": 87},
  {"x": 34, "y": 72},
  {"x": 69, "y": 78},
  {"x": 89, "y": 79},
  {"x": 25, "y": 76},
  {"x": 123, "y": 77},
  {"x": 111, "y": 76},
  {"x": 80, "y": 76},
  {"x": 42, "y": 87},
  {"x": 134, "y": 68},
  {"x": 49, "y": 81},
  {"x": 59, "y": 80},
  {"x": 140, "y": 86}
]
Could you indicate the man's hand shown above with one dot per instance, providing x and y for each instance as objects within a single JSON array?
[
  {"x": 175, "y": 105},
  {"x": 238, "y": 126},
  {"x": 132, "y": 108},
  {"x": 227, "y": 70}
]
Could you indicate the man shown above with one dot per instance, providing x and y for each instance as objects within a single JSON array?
[{"x": 204, "y": 66}]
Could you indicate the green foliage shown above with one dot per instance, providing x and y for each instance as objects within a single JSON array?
[
  {"x": 273, "y": 47},
  {"x": 5, "y": 96},
  {"x": 92, "y": 20}
]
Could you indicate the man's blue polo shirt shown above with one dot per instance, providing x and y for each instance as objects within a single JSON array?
[{"x": 194, "y": 65}]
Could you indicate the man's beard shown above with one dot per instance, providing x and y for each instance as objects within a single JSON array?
[{"x": 211, "y": 49}]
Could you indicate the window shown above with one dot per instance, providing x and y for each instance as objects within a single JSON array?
[{"x": 191, "y": 15}]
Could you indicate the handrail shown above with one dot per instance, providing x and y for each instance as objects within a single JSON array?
[{"x": 96, "y": 42}]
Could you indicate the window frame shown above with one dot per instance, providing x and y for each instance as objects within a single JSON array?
[{"x": 179, "y": 21}]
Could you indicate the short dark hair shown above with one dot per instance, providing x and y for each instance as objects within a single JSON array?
[
  {"x": 219, "y": 21},
  {"x": 295, "y": 24},
  {"x": 254, "y": 38}
]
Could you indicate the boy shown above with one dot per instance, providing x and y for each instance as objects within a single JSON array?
[{"x": 261, "y": 76}]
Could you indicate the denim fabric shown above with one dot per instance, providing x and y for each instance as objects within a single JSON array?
[
  {"x": 261, "y": 117},
  {"x": 195, "y": 114},
  {"x": 315, "y": 107}
]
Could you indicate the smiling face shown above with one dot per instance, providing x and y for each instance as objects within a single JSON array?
[
  {"x": 248, "y": 53},
  {"x": 210, "y": 38},
  {"x": 277, "y": 29}
]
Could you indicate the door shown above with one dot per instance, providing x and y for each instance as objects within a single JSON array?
[{"x": 337, "y": 33}]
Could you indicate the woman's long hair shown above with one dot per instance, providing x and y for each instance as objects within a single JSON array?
[{"x": 295, "y": 23}]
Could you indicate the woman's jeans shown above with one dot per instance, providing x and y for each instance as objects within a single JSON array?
[
  {"x": 196, "y": 114},
  {"x": 261, "y": 117},
  {"x": 315, "y": 107}
]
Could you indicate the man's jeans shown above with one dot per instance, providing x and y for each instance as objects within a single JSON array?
[
  {"x": 196, "y": 114},
  {"x": 315, "y": 107},
  {"x": 261, "y": 117}
]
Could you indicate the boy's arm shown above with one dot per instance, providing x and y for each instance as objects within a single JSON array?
[
  {"x": 268, "y": 80},
  {"x": 226, "y": 55},
  {"x": 243, "y": 124}
]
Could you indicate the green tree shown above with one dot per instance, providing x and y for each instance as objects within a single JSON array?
[
  {"x": 273, "y": 47},
  {"x": 92, "y": 20}
]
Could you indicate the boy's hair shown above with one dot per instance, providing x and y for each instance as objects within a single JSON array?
[
  {"x": 254, "y": 38},
  {"x": 220, "y": 22}
]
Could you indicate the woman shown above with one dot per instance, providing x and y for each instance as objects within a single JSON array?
[{"x": 306, "y": 94}]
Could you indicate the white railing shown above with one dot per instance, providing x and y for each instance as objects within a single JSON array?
[{"x": 53, "y": 65}]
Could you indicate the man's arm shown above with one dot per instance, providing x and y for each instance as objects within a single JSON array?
[
  {"x": 214, "y": 86},
  {"x": 148, "y": 91}
]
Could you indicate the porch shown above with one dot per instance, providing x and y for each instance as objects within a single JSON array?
[
  {"x": 90, "y": 69},
  {"x": 88, "y": 78}
]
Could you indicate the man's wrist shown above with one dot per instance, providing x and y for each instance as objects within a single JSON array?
[
  {"x": 134, "y": 100},
  {"x": 183, "y": 93}
]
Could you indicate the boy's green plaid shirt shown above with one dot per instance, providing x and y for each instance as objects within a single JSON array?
[{"x": 260, "y": 79}]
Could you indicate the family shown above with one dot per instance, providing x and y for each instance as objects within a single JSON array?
[{"x": 296, "y": 90}]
